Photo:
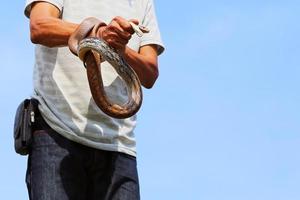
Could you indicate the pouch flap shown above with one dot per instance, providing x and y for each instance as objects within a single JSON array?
[{"x": 19, "y": 117}]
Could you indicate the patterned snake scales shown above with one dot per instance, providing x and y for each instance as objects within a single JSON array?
[{"x": 92, "y": 51}]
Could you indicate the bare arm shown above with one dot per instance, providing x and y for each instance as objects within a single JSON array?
[
  {"x": 144, "y": 64},
  {"x": 47, "y": 29}
]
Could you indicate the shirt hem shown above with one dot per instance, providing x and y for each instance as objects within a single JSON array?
[{"x": 83, "y": 141}]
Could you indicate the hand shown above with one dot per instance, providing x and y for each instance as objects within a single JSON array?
[{"x": 117, "y": 33}]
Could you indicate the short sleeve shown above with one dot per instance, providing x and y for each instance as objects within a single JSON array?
[
  {"x": 150, "y": 21},
  {"x": 56, "y": 3}
]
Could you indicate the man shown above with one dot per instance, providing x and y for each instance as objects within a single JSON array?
[{"x": 78, "y": 152}]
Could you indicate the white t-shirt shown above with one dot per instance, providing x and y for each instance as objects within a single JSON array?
[{"x": 61, "y": 85}]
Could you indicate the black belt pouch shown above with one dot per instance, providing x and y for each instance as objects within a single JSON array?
[{"x": 24, "y": 124}]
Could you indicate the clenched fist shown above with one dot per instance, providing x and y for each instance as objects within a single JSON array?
[{"x": 117, "y": 33}]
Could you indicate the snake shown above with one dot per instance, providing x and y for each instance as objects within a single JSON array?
[{"x": 92, "y": 51}]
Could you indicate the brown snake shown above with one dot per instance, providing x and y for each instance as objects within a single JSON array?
[{"x": 93, "y": 51}]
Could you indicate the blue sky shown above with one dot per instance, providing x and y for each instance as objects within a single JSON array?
[{"x": 221, "y": 123}]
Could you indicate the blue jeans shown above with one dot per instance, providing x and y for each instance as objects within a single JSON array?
[{"x": 59, "y": 169}]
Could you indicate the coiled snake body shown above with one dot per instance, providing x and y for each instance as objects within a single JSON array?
[{"x": 92, "y": 51}]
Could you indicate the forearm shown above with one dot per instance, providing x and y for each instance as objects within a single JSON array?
[
  {"x": 145, "y": 66},
  {"x": 51, "y": 31}
]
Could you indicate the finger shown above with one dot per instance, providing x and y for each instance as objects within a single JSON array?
[
  {"x": 140, "y": 27},
  {"x": 120, "y": 40},
  {"x": 112, "y": 40},
  {"x": 124, "y": 24},
  {"x": 117, "y": 46},
  {"x": 115, "y": 27},
  {"x": 112, "y": 31},
  {"x": 122, "y": 34},
  {"x": 135, "y": 21}
]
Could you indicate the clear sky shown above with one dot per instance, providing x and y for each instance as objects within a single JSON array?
[{"x": 221, "y": 123}]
